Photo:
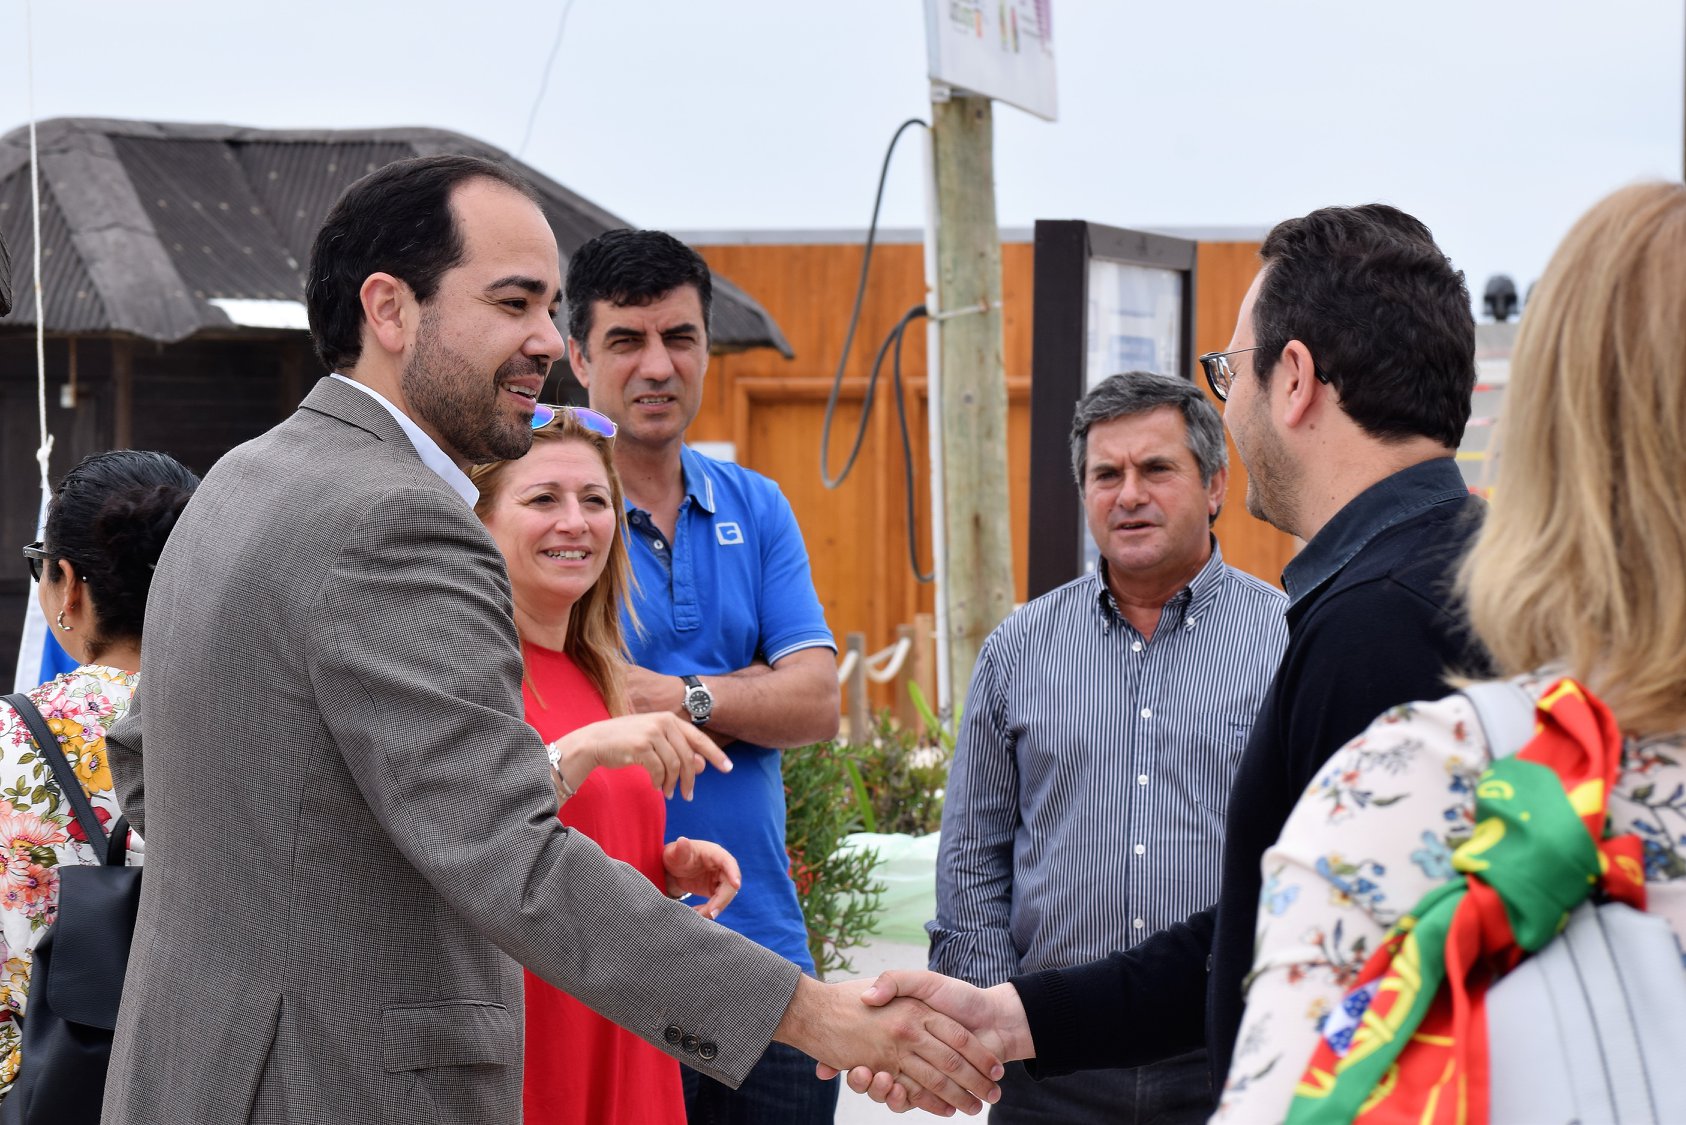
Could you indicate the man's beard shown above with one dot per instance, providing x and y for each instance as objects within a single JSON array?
[
  {"x": 1272, "y": 482},
  {"x": 469, "y": 419}
]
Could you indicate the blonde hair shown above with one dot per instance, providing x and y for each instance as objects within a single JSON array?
[
  {"x": 1582, "y": 561},
  {"x": 595, "y": 641}
]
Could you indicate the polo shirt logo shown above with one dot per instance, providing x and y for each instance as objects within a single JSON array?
[{"x": 729, "y": 534}]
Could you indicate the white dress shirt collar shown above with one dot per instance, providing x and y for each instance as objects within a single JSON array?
[{"x": 428, "y": 449}]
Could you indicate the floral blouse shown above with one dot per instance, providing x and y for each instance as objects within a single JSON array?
[
  {"x": 38, "y": 828},
  {"x": 1373, "y": 833}
]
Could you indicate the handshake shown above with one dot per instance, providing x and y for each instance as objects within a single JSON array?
[{"x": 911, "y": 1038}]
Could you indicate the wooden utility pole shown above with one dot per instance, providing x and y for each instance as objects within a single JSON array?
[{"x": 978, "y": 547}]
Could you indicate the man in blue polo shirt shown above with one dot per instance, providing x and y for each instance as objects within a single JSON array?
[{"x": 729, "y": 630}]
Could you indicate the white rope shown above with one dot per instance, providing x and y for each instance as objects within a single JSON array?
[
  {"x": 881, "y": 667},
  {"x": 45, "y": 450},
  {"x": 886, "y": 665}
]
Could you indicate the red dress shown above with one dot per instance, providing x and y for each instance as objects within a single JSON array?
[{"x": 580, "y": 1068}]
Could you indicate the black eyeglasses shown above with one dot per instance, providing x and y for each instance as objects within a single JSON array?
[
  {"x": 38, "y": 559},
  {"x": 600, "y": 424},
  {"x": 1220, "y": 376}
]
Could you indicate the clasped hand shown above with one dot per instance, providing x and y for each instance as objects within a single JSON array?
[{"x": 994, "y": 1016}]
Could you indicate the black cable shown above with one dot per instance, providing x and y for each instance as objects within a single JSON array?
[
  {"x": 544, "y": 79},
  {"x": 849, "y": 337},
  {"x": 907, "y": 444}
]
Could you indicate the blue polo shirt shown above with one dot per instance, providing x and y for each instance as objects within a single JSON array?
[{"x": 732, "y": 587}]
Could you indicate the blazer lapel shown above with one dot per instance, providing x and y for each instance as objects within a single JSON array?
[{"x": 348, "y": 404}]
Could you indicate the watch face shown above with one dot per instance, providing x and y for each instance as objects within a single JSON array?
[{"x": 699, "y": 703}]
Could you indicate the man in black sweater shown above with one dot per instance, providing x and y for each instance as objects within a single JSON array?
[{"x": 1353, "y": 366}]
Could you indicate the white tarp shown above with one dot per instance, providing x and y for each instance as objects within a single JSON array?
[{"x": 251, "y": 313}]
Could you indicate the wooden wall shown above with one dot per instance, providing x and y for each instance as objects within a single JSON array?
[
  {"x": 1223, "y": 272},
  {"x": 772, "y": 409}
]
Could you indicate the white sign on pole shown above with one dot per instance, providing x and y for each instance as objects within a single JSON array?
[{"x": 1001, "y": 49}]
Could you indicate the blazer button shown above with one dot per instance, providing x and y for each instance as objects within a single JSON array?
[
  {"x": 707, "y": 1050},
  {"x": 673, "y": 1033},
  {"x": 690, "y": 1043}
]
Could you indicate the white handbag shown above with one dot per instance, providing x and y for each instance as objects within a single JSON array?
[{"x": 1590, "y": 1029}]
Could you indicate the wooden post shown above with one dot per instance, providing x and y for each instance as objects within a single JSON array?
[
  {"x": 859, "y": 707},
  {"x": 978, "y": 555},
  {"x": 925, "y": 657},
  {"x": 122, "y": 393},
  {"x": 906, "y": 714}
]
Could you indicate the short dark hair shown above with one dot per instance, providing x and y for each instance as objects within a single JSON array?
[
  {"x": 631, "y": 267},
  {"x": 109, "y": 518},
  {"x": 1386, "y": 318},
  {"x": 395, "y": 220},
  {"x": 1137, "y": 392}
]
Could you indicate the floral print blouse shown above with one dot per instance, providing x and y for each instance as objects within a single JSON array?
[
  {"x": 1373, "y": 833},
  {"x": 38, "y": 829}
]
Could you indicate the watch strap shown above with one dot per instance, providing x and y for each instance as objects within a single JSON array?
[{"x": 695, "y": 687}]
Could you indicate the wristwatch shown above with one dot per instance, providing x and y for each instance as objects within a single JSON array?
[{"x": 699, "y": 701}]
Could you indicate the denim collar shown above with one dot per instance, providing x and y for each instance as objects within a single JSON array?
[{"x": 1367, "y": 515}]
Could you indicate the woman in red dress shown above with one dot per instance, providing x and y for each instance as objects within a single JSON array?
[{"x": 556, "y": 515}]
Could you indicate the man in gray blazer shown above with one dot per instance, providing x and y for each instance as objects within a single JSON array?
[{"x": 348, "y": 824}]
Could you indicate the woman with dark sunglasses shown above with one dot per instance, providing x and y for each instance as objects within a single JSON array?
[
  {"x": 557, "y": 515},
  {"x": 106, "y": 524}
]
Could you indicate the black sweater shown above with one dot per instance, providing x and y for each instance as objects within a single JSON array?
[{"x": 1372, "y": 624}]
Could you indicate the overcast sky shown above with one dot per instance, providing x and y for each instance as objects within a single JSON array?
[{"x": 1494, "y": 122}]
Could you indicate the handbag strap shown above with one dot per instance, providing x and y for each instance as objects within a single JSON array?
[
  {"x": 1506, "y": 715},
  {"x": 48, "y": 744}
]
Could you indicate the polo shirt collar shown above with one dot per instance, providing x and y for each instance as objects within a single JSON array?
[
  {"x": 1385, "y": 503},
  {"x": 1187, "y": 605},
  {"x": 699, "y": 482}
]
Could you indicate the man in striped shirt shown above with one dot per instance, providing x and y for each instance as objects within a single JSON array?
[{"x": 1086, "y": 804}]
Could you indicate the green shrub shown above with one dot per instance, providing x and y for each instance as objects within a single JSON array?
[
  {"x": 892, "y": 783},
  {"x": 840, "y": 898},
  {"x": 900, "y": 774}
]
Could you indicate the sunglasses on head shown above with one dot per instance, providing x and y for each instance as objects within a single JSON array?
[
  {"x": 38, "y": 559},
  {"x": 600, "y": 424}
]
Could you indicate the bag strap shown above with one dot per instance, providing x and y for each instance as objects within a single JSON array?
[
  {"x": 48, "y": 744},
  {"x": 1506, "y": 714}
]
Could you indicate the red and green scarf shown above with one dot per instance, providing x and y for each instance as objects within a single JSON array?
[{"x": 1418, "y": 1052}]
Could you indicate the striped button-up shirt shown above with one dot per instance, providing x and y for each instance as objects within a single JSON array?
[{"x": 1085, "y": 807}]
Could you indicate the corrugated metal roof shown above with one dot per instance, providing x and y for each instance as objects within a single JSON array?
[
  {"x": 145, "y": 224},
  {"x": 5, "y": 278}
]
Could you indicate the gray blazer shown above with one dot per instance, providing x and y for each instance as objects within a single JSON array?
[{"x": 348, "y": 824}]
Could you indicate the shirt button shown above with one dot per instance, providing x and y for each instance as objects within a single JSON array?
[
  {"x": 658, "y": 544},
  {"x": 1147, "y": 713},
  {"x": 1138, "y": 923},
  {"x": 1142, "y": 779},
  {"x": 1137, "y": 647},
  {"x": 1141, "y": 849}
]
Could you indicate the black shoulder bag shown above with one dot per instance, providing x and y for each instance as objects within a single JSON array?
[{"x": 76, "y": 980}]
